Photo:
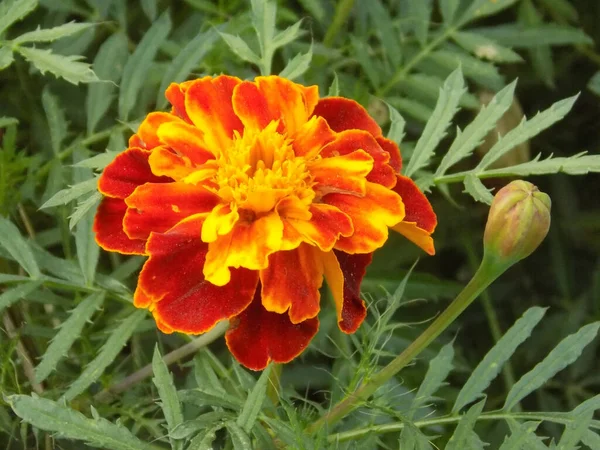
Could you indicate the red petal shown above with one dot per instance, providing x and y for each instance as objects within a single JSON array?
[
  {"x": 345, "y": 114},
  {"x": 148, "y": 129},
  {"x": 394, "y": 151},
  {"x": 158, "y": 207},
  {"x": 258, "y": 336},
  {"x": 352, "y": 140},
  {"x": 108, "y": 226},
  {"x": 175, "y": 93},
  {"x": 182, "y": 300},
  {"x": 292, "y": 281},
  {"x": 208, "y": 104},
  {"x": 127, "y": 171}
]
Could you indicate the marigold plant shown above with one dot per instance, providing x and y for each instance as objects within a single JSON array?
[{"x": 244, "y": 197}]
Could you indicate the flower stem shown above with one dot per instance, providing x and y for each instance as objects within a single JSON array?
[{"x": 488, "y": 271}]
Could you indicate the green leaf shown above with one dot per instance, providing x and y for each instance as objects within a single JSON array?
[
  {"x": 170, "y": 404},
  {"x": 574, "y": 431},
  {"x": 52, "y": 34},
  {"x": 57, "y": 123},
  {"x": 590, "y": 405},
  {"x": 566, "y": 352},
  {"x": 492, "y": 362},
  {"x": 107, "y": 354},
  {"x": 138, "y": 65},
  {"x": 531, "y": 36},
  {"x": 12, "y": 11},
  {"x": 186, "y": 60},
  {"x": 205, "y": 440},
  {"x": 435, "y": 130},
  {"x": 209, "y": 397},
  {"x": 67, "y": 67},
  {"x": 83, "y": 206},
  {"x": 466, "y": 141},
  {"x": 385, "y": 30},
  {"x": 579, "y": 164},
  {"x": 477, "y": 190},
  {"x": 6, "y": 57},
  {"x": 10, "y": 296},
  {"x": 69, "y": 332},
  {"x": 240, "y": 48},
  {"x": 64, "y": 196},
  {"x": 150, "y": 9},
  {"x": 420, "y": 13},
  {"x": 288, "y": 35},
  {"x": 397, "y": 124},
  {"x": 483, "y": 8},
  {"x": 481, "y": 72},
  {"x": 594, "y": 83},
  {"x": 99, "y": 161},
  {"x": 427, "y": 87},
  {"x": 334, "y": 89},
  {"x": 439, "y": 369},
  {"x": 239, "y": 438},
  {"x": 19, "y": 249},
  {"x": 203, "y": 421},
  {"x": 297, "y": 65},
  {"x": 51, "y": 416},
  {"x": 448, "y": 9},
  {"x": 527, "y": 129},
  {"x": 523, "y": 436},
  {"x": 88, "y": 250},
  {"x": 485, "y": 48},
  {"x": 462, "y": 437},
  {"x": 8, "y": 121},
  {"x": 254, "y": 402},
  {"x": 263, "y": 21},
  {"x": 411, "y": 438},
  {"x": 591, "y": 439},
  {"x": 108, "y": 65}
]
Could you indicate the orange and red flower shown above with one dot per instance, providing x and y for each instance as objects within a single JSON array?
[{"x": 244, "y": 197}]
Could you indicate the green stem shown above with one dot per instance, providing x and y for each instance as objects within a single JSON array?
[
  {"x": 342, "y": 12},
  {"x": 488, "y": 271}
]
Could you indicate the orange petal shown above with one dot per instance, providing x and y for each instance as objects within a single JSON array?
[
  {"x": 158, "y": 207},
  {"x": 342, "y": 174},
  {"x": 248, "y": 245},
  {"x": 185, "y": 140},
  {"x": 352, "y": 140},
  {"x": 394, "y": 151},
  {"x": 269, "y": 99},
  {"x": 175, "y": 93},
  {"x": 219, "y": 222},
  {"x": 258, "y": 336},
  {"x": 292, "y": 281},
  {"x": 108, "y": 226},
  {"x": 208, "y": 104},
  {"x": 312, "y": 137},
  {"x": 147, "y": 131},
  {"x": 371, "y": 216},
  {"x": 311, "y": 98},
  {"x": 164, "y": 162},
  {"x": 127, "y": 171},
  {"x": 173, "y": 286},
  {"x": 325, "y": 226},
  {"x": 416, "y": 235},
  {"x": 345, "y": 114},
  {"x": 344, "y": 274}
]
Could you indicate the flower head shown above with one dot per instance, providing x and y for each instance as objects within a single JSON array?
[{"x": 244, "y": 198}]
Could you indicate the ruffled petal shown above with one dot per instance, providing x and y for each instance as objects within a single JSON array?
[
  {"x": 292, "y": 281},
  {"x": 258, "y": 336},
  {"x": 172, "y": 285},
  {"x": 344, "y": 274},
  {"x": 345, "y": 114},
  {"x": 420, "y": 220},
  {"x": 326, "y": 225},
  {"x": 108, "y": 226},
  {"x": 208, "y": 104},
  {"x": 186, "y": 140},
  {"x": 270, "y": 99},
  {"x": 148, "y": 129},
  {"x": 165, "y": 162},
  {"x": 352, "y": 140},
  {"x": 311, "y": 97},
  {"x": 127, "y": 171},
  {"x": 342, "y": 174},
  {"x": 371, "y": 216},
  {"x": 248, "y": 245},
  {"x": 312, "y": 137},
  {"x": 158, "y": 207},
  {"x": 175, "y": 93},
  {"x": 219, "y": 222},
  {"x": 394, "y": 151}
]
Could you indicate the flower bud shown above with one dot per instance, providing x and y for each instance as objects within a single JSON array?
[{"x": 518, "y": 222}]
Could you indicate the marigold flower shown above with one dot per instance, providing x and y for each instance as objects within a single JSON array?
[{"x": 244, "y": 197}]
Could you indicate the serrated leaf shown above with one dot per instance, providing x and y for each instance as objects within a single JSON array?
[
  {"x": 522, "y": 436},
  {"x": 67, "y": 67},
  {"x": 99, "y": 161},
  {"x": 138, "y": 64},
  {"x": 56, "y": 418},
  {"x": 263, "y": 21},
  {"x": 334, "y": 89},
  {"x": 483, "y": 8},
  {"x": 88, "y": 250},
  {"x": 427, "y": 87},
  {"x": 288, "y": 35},
  {"x": 6, "y": 57},
  {"x": 486, "y": 48},
  {"x": 239, "y": 437},
  {"x": 591, "y": 439},
  {"x": 579, "y": 164},
  {"x": 52, "y": 34},
  {"x": 203, "y": 421},
  {"x": 384, "y": 28},
  {"x": 448, "y": 9},
  {"x": 64, "y": 196},
  {"x": 411, "y": 438},
  {"x": 527, "y": 129},
  {"x": 397, "y": 124},
  {"x": 209, "y": 397},
  {"x": 590, "y": 405},
  {"x": 10, "y": 296},
  {"x": 475, "y": 132},
  {"x": 69, "y": 332},
  {"x": 205, "y": 374},
  {"x": 8, "y": 121},
  {"x": 420, "y": 13},
  {"x": 492, "y": 362},
  {"x": 240, "y": 48},
  {"x": 565, "y": 353},
  {"x": 150, "y": 8},
  {"x": 476, "y": 189},
  {"x": 108, "y": 65},
  {"x": 17, "y": 246},
  {"x": 531, "y": 36},
  {"x": 110, "y": 350},
  {"x": 439, "y": 369},
  {"x": 82, "y": 208},
  {"x": 167, "y": 392},
  {"x": 575, "y": 431},
  {"x": 55, "y": 115},
  {"x": 205, "y": 441},
  {"x": 461, "y": 439},
  {"x": 185, "y": 61},
  {"x": 297, "y": 65},
  {"x": 254, "y": 402},
  {"x": 435, "y": 130},
  {"x": 12, "y": 11}
]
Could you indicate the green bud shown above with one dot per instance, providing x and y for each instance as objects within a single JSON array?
[{"x": 518, "y": 222}]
